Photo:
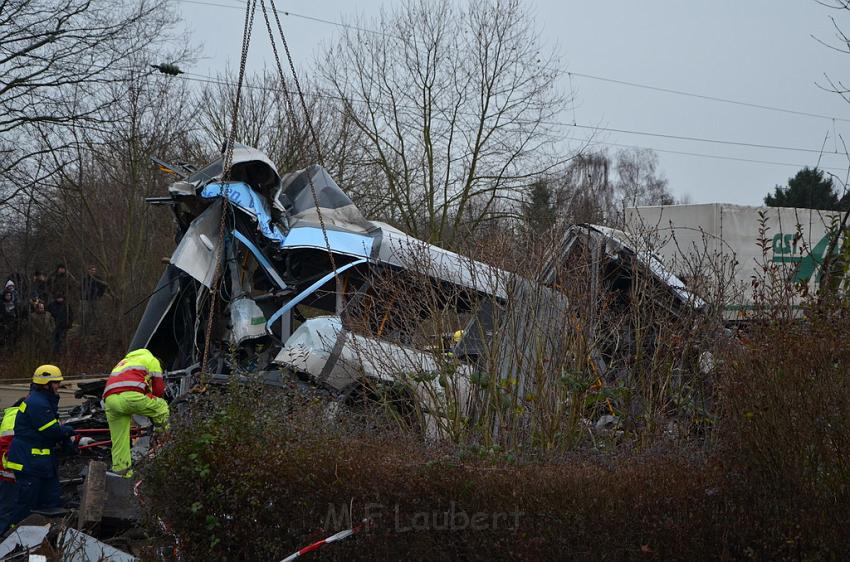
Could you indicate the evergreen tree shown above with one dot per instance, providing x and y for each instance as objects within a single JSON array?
[
  {"x": 539, "y": 211},
  {"x": 809, "y": 189}
]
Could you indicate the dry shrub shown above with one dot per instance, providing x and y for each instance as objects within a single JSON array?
[
  {"x": 784, "y": 439},
  {"x": 249, "y": 480},
  {"x": 255, "y": 475},
  {"x": 562, "y": 335}
]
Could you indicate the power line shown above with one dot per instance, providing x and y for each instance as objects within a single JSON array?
[
  {"x": 704, "y": 155},
  {"x": 288, "y": 13},
  {"x": 710, "y": 98},
  {"x": 579, "y": 74},
  {"x": 194, "y": 77},
  {"x": 191, "y": 77},
  {"x": 692, "y": 139},
  {"x": 325, "y": 95}
]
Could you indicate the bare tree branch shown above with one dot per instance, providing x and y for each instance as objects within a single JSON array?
[{"x": 454, "y": 103}]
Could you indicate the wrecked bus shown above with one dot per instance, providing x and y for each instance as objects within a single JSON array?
[{"x": 281, "y": 275}]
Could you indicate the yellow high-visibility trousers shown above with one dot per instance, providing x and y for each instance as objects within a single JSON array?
[{"x": 120, "y": 409}]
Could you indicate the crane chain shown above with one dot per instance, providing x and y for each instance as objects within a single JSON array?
[
  {"x": 227, "y": 164},
  {"x": 292, "y": 113}
]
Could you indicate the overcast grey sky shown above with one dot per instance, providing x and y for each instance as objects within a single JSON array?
[{"x": 755, "y": 51}]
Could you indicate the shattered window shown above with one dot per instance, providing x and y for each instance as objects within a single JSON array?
[{"x": 300, "y": 197}]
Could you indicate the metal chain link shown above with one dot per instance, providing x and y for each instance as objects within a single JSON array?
[
  {"x": 290, "y": 113},
  {"x": 306, "y": 117},
  {"x": 298, "y": 85},
  {"x": 227, "y": 164},
  {"x": 246, "y": 41}
]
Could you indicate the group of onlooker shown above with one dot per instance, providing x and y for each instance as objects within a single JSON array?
[{"x": 42, "y": 308}]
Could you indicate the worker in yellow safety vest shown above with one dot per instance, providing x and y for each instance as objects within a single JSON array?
[
  {"x": 32, "y": 455},
  {"x": 136, "y": 386},
  {"x": 7, "y": 432}
]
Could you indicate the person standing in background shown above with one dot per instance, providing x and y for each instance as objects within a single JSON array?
[
  {"x": 39, "y": 287},
  {"x": 92, "y": 289},
  {"x": 8, "y": 321},
  {"x": 61, "y": 313}
]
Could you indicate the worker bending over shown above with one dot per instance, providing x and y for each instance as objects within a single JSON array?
[
  {"x": 31, "y": 457},
  {"x": 135, "y": 386}
]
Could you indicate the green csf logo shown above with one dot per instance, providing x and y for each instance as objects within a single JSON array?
[{"x": 788, "y": 249}]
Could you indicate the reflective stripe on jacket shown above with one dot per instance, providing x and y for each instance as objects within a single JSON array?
[
  {"x": 7, "y": 432},
  {"x": 139, "y": 371},
  {"x": 37, "y": 431}
]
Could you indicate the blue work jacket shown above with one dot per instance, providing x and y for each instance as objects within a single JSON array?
[{"x": 37, "y": 432}]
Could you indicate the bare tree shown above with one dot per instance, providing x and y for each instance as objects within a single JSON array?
[
  {"x": 638, "y": 179},
  {"x": 101, "y": 199},
  {"x": 838, "y": 270},
  {"x": 265, "y": 122},
  {"x": 456, "y": 104},
  {"x": 586, "y": 192},
  {"x": 595, "y": 187},
  {"x": 92, "y": 209},
  {"x": 262, "y": 123},
  {"x": 57, "y": 61}
]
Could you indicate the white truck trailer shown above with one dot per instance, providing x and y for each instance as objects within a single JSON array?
[{"x": 744, "y": 241}]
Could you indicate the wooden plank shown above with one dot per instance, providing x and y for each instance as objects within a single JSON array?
[{"x": 93, "y": 497}]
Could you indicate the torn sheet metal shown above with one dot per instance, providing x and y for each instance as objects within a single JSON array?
[
  {"x": 347, "y": 243},
  {"x": 291, "y": 249},
  {"x": 616, "y": 244},
  {"x": 77, "y": 546},
  {"x": 400, "y": 250},
  {"x": 338, "y": 211},
  {"x": 248, "y": 165},
  {"x": 621, "y": 240},
  {"x": 309, "y": 348},
  {"x": 28, "y": 537},
  {"x": 348, "y": 233},
  {"x": 197, "y": 251},
  {"x": 339, "y": 359},
  {"x": 181, "y": 189},
  {"x": 405, "y": 251},
  {"x": 322, "y": 348},
  {"x": 249, "y": 201},
  {"x": 160, "y": 304}
]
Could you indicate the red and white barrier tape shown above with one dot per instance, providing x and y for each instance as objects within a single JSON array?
[
  {"x": 309, "y": 548},
  {"x": 333, "y": 538}
]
